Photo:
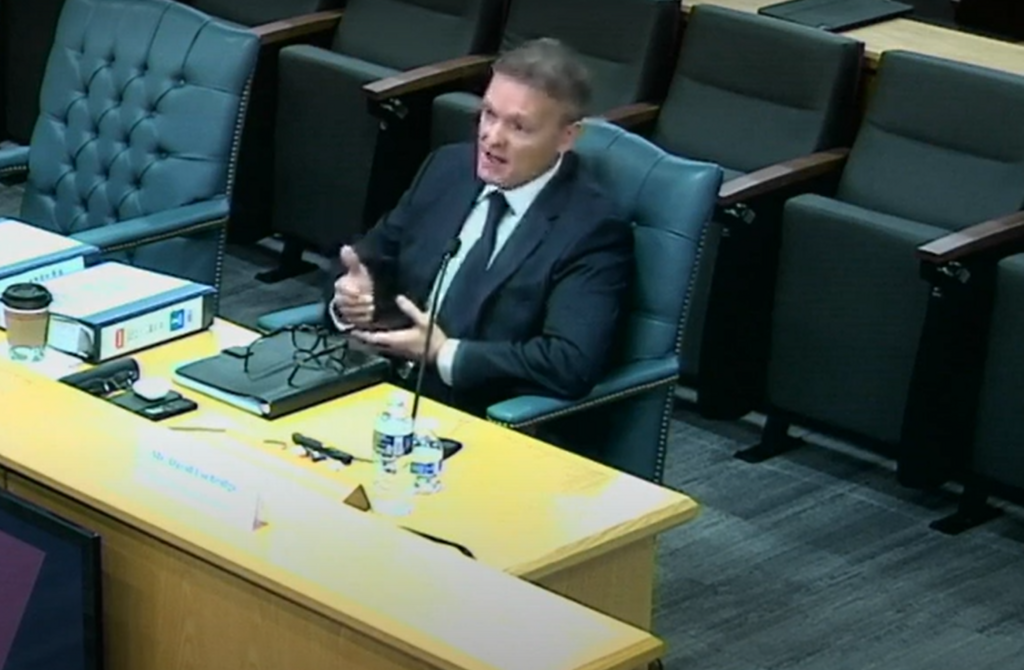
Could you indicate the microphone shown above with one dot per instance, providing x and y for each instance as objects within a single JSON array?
[{"x": 450, "y": 250}]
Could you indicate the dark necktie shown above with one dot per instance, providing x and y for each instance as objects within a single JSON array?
[{"x": 462, "y": 301}]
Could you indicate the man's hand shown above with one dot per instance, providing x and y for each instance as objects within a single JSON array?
[
  {"x": 353, "y": 292},
  {"x": 408, "y": 342}
]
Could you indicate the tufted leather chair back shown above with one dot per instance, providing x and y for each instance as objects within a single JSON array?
[
  {"x": 669, "y": 201},
  {"x": 141, "y": 109}
]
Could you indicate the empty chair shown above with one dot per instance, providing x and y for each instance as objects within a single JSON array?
[
  {"x": 764, "y": 99},
  {"x": 27, "y": 28},
  {"x": 940, "y": 149},
  {"x": 625, "y": 44},
  {"x": 279, "y": 23},
  {"x": 338, "y": 167},
  {"x": 261, "y": 12},
  {"x": 133, "y": 150}
]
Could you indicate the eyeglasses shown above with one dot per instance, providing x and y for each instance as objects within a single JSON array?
[{"x": 313, "y": 350}]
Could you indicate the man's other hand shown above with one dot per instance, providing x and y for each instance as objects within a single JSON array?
[
  {"x": 353, "y": 292},
  {"x": 407, "y": 342}
]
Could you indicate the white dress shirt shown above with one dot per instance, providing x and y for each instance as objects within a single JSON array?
[{"x": 519, "y": 201}]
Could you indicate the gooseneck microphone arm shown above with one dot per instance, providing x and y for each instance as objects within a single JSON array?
[{"x": 449, "y": 252}]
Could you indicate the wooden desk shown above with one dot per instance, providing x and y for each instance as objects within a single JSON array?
[
  {"x": 912, "y": 36},
  {"x": 525, "y": 508}
]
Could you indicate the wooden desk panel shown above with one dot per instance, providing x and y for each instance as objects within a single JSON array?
[{"x": 185, "y": 591}]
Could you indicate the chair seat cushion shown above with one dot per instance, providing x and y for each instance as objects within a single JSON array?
[{"x": 849, "y": 306}]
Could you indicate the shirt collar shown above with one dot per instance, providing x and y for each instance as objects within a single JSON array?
[{"x": 521, "y": 197}]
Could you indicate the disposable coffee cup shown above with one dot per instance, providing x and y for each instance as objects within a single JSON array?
[{"x": 27, "y": 315}]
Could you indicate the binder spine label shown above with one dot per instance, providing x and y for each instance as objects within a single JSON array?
[{"x": 153, "y": 328}]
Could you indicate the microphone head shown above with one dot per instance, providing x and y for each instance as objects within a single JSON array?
[{"x": 453, "y": 247}]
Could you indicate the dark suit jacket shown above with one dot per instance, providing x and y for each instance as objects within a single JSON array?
[{"x": 554, "y": 294}]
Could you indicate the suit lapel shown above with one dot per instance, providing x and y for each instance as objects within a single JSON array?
[
  {"x": 445, "y": 223},
  {"x": 531, "y": 231}
]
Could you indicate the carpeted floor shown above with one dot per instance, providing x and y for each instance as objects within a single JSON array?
[{"x": 816, "y": 560}]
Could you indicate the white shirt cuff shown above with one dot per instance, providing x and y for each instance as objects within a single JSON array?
[{"x": 446, "y": 359}]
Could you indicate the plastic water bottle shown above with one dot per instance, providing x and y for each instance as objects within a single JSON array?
[
  {"x": 427, "y": 457},
  {"x": 392, "y": 439}
]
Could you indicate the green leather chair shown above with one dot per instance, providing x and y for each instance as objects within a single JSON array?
[
  {"x": 941, "y": 149},
  {"x": 353, "y": 119},
  {"x": 969, "y": 429},
  {"x": 626, "y": 45},
  {"x": 27, "y": 28},
  {"x": 279, "y": 23},
  {"x": 133, "y": 151},
  {"x": 770, "y": 101},
  {"x": 670, "y": 201}
]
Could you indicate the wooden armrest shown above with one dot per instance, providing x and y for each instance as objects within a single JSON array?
[
  {"x": 632, "y": 115},
  {"x": 780, "y": 175},
  {"x": 427, "y": 77},
  {"x": 286, "y": 30},
  {"x": 974, "y": 239}
]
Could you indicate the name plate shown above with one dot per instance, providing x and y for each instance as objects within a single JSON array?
[{"x": 205, "y": 480}]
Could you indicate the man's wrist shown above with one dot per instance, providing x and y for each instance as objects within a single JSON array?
[{"x": 445, "y": 360}]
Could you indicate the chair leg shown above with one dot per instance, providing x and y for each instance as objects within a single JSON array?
[
  {"x": 775, "y": 440},
  {"x": 290, "y": 265},
  {"x": 972, "y": 511}
]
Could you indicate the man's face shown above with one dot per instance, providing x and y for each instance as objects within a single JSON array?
[{"x": 522, "y": 131}]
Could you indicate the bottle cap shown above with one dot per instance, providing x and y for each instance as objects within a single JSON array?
[{"x": 27, "y": 297}]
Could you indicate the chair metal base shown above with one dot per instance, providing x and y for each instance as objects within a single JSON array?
[
  {"x": 972, "y": 512},
  {"x": 775, "y": 440},
  {"x": 290, "y": 265}
]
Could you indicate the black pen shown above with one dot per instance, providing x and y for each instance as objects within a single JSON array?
[{"x": 320, "y": 448}]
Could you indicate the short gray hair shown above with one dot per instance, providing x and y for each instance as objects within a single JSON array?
[{"x": 549, "y": 66}]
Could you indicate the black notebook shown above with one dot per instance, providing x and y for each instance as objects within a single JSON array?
[
  {"x": 285, "y": 371},
  {"x": 837, "y": 15}
]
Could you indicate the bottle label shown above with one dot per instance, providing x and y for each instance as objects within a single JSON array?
[
  {"x": 392, "y": 446},
  {"x": 425, "y": 468}
]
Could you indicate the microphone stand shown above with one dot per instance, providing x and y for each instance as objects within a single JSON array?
[{"x": 449, "y": 252}]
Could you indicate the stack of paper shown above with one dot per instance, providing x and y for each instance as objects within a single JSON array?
[
  {"x": 112, "y": 309},
  {"x": 30, "y": 254}
]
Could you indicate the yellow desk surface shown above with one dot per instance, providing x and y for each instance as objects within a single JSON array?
[
  {"x": 913, "y": 36},
  {"x": 518, "y": 504},
  {"x": 522, "y": 507}
]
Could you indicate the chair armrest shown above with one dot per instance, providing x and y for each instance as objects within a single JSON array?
[
  {"x": 428, "y": 77},
  {"x": 303, "y": 315},
  {"x": 780, "y": 175},
  {"x": 155, "y": 227},
  {"x": 633, "y": 115},
  {"x": 974, "y": 239},
  {"x": 292, "y": 28},
  {"x": 622, "y": 382},
  {"x": 13, "y": 161}
]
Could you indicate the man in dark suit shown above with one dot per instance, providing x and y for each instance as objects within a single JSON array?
[{"x": 532, "y": 296}]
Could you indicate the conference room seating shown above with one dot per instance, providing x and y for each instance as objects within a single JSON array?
[
  {"x": 769, "y": 101},
  {"x": 626, "y": 45},
  {"x": 939, "y": 150},
  {"x": 624, "y": 421},
  {"x": 26, "y": 35},
  {"x": 278, "y": 23},
  {"x": 141, "y": 107},
  {"x": 1001, "y": 18},
  {"x": 353, "y": 119}
]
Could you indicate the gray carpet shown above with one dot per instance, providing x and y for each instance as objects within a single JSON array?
[{"x": 816, "y": 560}]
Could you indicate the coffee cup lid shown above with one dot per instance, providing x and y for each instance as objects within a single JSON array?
[{"x": 26, "y": 296}]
